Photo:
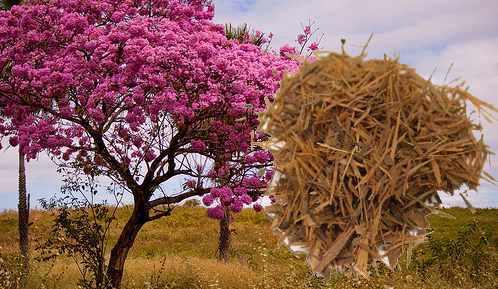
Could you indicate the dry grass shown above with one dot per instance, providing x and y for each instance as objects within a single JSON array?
[{"x": 179, "y": 252}]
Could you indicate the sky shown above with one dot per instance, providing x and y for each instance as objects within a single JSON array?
[{"x": 430, "y": 36}]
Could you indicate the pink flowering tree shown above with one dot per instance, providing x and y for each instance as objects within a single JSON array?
[
  {"x": 141, "y": 92},
  {"x": 233, "y": 192}
]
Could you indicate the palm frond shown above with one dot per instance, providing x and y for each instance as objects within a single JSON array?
[{"x": 244, "y": 34}]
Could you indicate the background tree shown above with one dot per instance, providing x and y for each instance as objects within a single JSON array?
[
  {"x": 241, "y": 34},
  {"x": 23, "y": 213},
  {"x": 260, "y": 160},
  {"x": 141, "y": 92},
  {"x": 23, "y": 198}
]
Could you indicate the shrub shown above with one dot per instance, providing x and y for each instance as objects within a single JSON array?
[
  {"x": 10, "y": 272},
  {"x": 469, "y": 256}
]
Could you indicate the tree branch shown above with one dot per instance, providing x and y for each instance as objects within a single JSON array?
[
  {"x": 162, "y": 178},
  {"x": 177, "y": 198},
  {"x": 160, "y": 214},
  {"x": 170, "y": 153},
  {"x": 123, "y": 171}
]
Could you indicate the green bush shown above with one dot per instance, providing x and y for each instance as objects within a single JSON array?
[
  {"x": 469, "y": 256},
  {"x": 10, "y": 272}
]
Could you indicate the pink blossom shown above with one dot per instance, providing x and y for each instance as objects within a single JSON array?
[
  {"x": 301, "y": 38},
  {"x": 149, "y": 156},
  {"x": 198, "y": 145},
  {"x": 263, "y": 156},
  {"x": 206, "y": 51},
  {"x": 216, "y": 192},
  {"x": 307, "y": 30},
  {"x": 257, "y": 207},
  {"x": 217, "y": 212},
  {"x": 237, "y": 206},
  {"x": 52, "y": 142},
  {"x": 269, "y": 175},
  {"x": 253, "y": 182},
  {"x": 225, "y": 194},
  {"x": 246, "y": 199},
  {"x": 238, "y": 191},
  {"x": 14, "y": 141},
  {"x": 313, "y": 46},
  {"x": 287, "y": 49},
  {"x": 207, "y": 199},
  {"x": 261, "y": 136},
  {"x": 223, "y": 170},
  {"x": 137, "y": 141},
  {"x": 117, "y": 16},
  {"x": 250, "y": 159}
]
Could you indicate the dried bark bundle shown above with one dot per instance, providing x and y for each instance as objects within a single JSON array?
[{"x": 361, "y": 148}]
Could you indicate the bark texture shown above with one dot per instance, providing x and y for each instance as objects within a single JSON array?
[
  {"x": 224, "y": 239},
  {"x": 23, "y": 212},
  {"x": 123, "y": 245}
]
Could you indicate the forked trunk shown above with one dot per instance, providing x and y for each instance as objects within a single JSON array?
[
  {"x": 224, "y": 240},
  {"x": 123, "y": 245},
  {"x": 23, "y": 212}
]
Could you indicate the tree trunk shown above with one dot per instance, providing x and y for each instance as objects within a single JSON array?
[
  {"x": 23, "y": 212},
  {"x": 123, "y": 245},
  {"x": 224, "y": 240}
]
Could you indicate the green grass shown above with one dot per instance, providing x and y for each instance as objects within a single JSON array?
[{"x": 179, "y": 252}]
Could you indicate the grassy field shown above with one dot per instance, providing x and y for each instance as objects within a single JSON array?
[{"x": 179, "y": 252}]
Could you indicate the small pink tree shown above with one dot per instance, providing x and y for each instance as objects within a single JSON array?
[
  {"x": 232, "y": 194},
  {"x": 139, "y": 91}
]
